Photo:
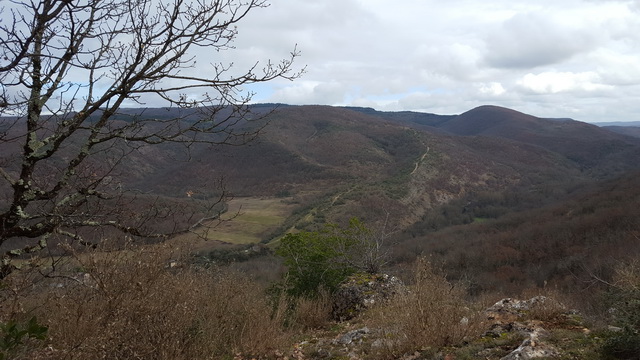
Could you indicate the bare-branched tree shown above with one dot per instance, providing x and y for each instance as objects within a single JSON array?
[
  {"x": 67, "y": 70},
  {"x": 365, "y": 249}
]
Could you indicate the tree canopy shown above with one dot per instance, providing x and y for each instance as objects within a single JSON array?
[{"x": 323, "y": 259}]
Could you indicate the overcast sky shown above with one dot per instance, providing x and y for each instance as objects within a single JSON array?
[{"x": 549, "y": 58}]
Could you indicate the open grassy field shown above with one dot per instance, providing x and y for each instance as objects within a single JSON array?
[{"x": 250, "y": 220}]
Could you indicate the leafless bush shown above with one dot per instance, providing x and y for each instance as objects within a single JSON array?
[
  {"x": 546, "y": 304},
  {"x": 432, "y": 314},
  {"x": 141, "y": 303}
]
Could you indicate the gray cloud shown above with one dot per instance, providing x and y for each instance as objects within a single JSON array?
[
  {"x": 569, "y": 58},
  {"x": 532, "y": 40},
  {"x": 550, "y": 58}
]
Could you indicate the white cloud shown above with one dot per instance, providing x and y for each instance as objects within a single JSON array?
[
  {"x": 617, "y": 68},
  {"x": 565, "y": 58},
  {"x": 552, "y": 58},
  {"x": 491, "y": 89},
  {"x": 556, "y": 82}
]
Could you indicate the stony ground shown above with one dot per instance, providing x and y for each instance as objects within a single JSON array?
[{"x": 538, "y": 328}]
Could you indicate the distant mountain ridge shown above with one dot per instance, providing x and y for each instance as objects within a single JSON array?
[
  {"x": 625, "y": 130},
  {"x": 348, "y": 161},
  {"x": 494, "y": 121},
  {"x": 484, "y": 190},
  {"x": 584, "y": 143},
  {"x": 343, "y": 162},
  {"x": 618, "y": 123}
]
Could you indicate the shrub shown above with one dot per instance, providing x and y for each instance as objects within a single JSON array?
[
  {"x": 433, "y": 313},
  {"x": 546, "y": 304},
  {"x": 312, "y": 260},
  {"x": 622, "y": 345},
  {"x": 323, "y": 259},
  {"x": 143, "y": 303},
  {"x": 625, "y": 308},
  {"x": 13, "y": 336}
]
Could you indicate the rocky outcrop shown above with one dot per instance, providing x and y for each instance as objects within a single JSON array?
[
  {"x": 361, "y": 291},
  {"x": 514, "y": 329},
  {"x": 533, "y": 347},
  {"x": 518, "y": 307},
  {"x": 352, "y": 336},
  {"x": 508, "y": 315}
]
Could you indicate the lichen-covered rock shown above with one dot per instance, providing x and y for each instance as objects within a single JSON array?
[
  {"x": 533, "y": 347},
  {"x": 517, "y": 306},
  {"x": 362, "y": 290},
  {"x": 352, "y": 336}
]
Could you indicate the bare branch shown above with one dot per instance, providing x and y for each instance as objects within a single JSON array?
[{"x": 67, "y": 68}]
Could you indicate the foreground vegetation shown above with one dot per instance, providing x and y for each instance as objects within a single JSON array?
[
  {"x": 141, "y": 303},
  {"x": 166, "y": 302},
  {"x": 158, "y": 302},
  {"x": 148, "y": 302}
]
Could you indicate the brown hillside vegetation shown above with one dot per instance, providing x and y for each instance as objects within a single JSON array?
[
  {"x": 494, "y": 121},
  {"x": 561, "y": 245},
  {"x": 342, "y": 158},
  {"x": 336, "y": 163}
]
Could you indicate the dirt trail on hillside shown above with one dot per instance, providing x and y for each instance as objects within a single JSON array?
[{"x": 420, "y": 161}]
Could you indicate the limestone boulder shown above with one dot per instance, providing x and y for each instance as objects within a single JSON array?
[{"x": 361, "y": 291}]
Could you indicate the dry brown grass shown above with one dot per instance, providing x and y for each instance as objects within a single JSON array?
[
  {"x": 432, "y": 314},
  {"x": 548, "y": 304},
  {"x": 134, "y": 305},
  {"x": 313, "y": 313}
]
